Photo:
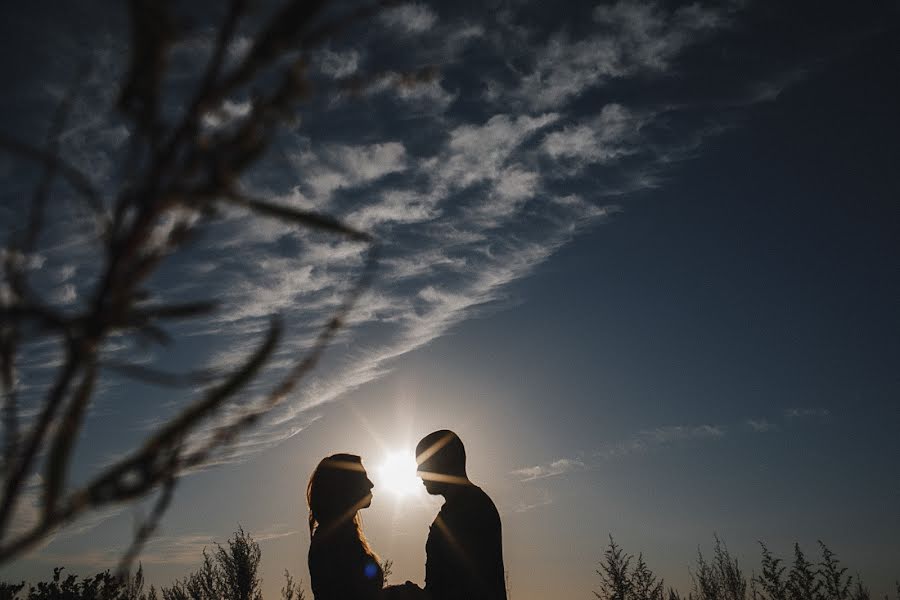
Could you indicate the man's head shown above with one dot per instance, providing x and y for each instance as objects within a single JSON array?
[{"x": 441, "y": 459}]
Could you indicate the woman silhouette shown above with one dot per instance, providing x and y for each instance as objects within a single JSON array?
[{"x": 342, "y": 566}]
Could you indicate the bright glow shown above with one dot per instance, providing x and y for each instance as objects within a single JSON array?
[{"x": 397, "y": 474}]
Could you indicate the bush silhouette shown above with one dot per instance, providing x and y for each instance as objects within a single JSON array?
[
  {"x": 230, "y": 572},
  {"x": 721, "y": 578}
]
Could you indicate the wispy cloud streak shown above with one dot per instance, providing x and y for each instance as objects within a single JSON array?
[
  {"x": 557, "y": 467},
  {"x": 643, "y": 441},
  {"x": 464, "y": 201}
]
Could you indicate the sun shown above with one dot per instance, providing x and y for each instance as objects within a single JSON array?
[{"x": 397, "y": 474}]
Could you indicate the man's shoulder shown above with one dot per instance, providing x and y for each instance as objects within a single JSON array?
[
  {"x": 485, "y": 500},
  {"x": 477, "y": 505}
]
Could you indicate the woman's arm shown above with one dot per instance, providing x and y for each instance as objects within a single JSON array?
[{"x": 339, "y": 576}]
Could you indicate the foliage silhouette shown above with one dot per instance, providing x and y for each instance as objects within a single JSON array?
[
  {"x": 230, "y": 572},
  {"x": 835, "y": 584},
  {"x": 772, "y": 580},
  {"x": 173, "y": 166},
  {"x": 860, "y": 591},
  {"x": 615, "y": 576},
  {"x": 803, "y": 583},
  {"x": 722, "y": 578},
  {"x": 292, "y": 590},
  {"x": 209, "y": 582},
  {"x": 238, "y": 565},
  {"x": 644, "y": 584},
  {"x": 102, "y": 586}
]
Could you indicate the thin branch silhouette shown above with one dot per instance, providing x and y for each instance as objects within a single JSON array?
[{"x": 170, "y": 166}]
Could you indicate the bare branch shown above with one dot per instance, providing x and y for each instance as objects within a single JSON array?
[
  {"x": 172, "y": 311},
  {"x": 171, "y": 166},
  {"x": 150, "y": 524},
  {"x": 161, "y": 378},
  {"x": 301, "y": 217},
  {"x": 20, "y": 467},
  {"x": 47, "y": 319},
  {"x": 228, "y": 432},
  {"x": 10, "y": 402},
  {"x": 151, "y": 34},
  {"x": 58, "y": 459}
]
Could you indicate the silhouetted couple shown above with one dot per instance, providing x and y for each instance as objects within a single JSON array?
[{"x": 464, "y": 555}]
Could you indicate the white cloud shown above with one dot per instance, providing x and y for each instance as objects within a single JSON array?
[
  {"x": 477, "y": 153},
  {"x": 565, "y": 68},
  {"x": 285, "y": 283},
  {"x": 65, "y": 294},
  {"x": 430, "y": 95},
  {"x": 557, "y": 467},
  {"x": 675, "y": 433},
  {"x": 542, "y": 499},
  {"x": 338, "y": 64},
  {"x": 799, "y": 413},
  {"x": 226, "y": 113},
  {"x": 515, "y": 183},
  {"x": 457, "y": 246},
  {"x": 647, "y": 439},
  {"x": 367, "y": 163},
  {"x": 65, "y": 272},
  {"x": 513, "y": 186},
  {"x": 425, "y": 96},
  {"x": 650, "y": 35},
  {"x": 637, "y": 37},
  {"x": 486, "y": 217},
  {"x": 409, "y": 18},
  {"x": 30, "y": 262},
  {"x": 458, "y": 38},
  {"x": 434, "y": 260},
  {"x": 396, "y": 206},
  {"x": 614, "y": 133},
  {"x": 760, "y": 425},
  {"x": 338, "y": 166},
  {"x": 469, "y": 244}
]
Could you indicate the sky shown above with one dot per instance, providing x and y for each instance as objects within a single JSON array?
[{"x": 641, "y": 256}]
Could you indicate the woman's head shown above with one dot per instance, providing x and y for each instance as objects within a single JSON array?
[{"x": 338, "y": 488}]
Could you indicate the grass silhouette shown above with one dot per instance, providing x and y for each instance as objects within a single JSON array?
[{"x": 230, "y": 572}]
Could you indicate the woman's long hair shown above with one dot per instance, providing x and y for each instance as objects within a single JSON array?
[{"x": 330, "y": 496}]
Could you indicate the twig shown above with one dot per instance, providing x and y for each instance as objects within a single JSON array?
[
  {"x": 151, "y": 523},
  {"x": 302, "y": 217},
  {"x": 161, "y": 378},
  {"x": 20, "y": 467},
  {"x": 228, "y": 432},
  {"x": 57, "y": 462},
  {"x": 174, "y": 166}
]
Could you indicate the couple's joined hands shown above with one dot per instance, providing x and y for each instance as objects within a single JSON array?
[{"x": 406, "y": 591}]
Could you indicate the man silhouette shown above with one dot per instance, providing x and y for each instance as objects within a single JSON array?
[{"x": 464, "y": 551}]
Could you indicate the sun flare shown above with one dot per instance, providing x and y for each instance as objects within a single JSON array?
[{"x": 397, "y": 474}]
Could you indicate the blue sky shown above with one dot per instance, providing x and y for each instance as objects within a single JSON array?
[{"x": 641, "y": 256}]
